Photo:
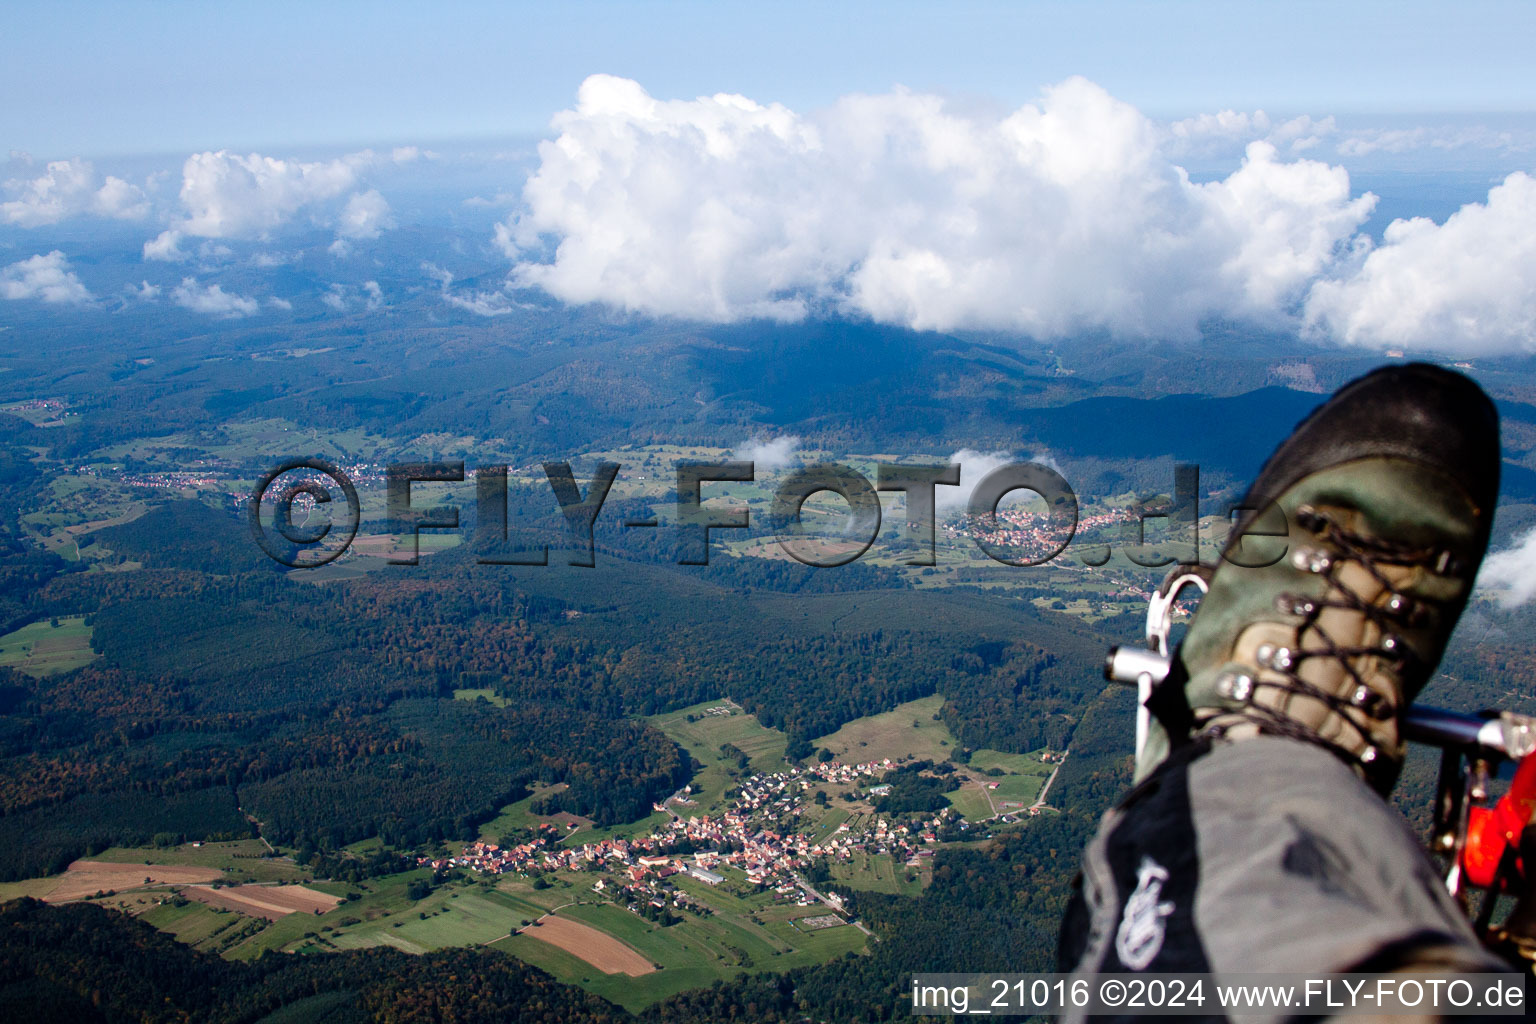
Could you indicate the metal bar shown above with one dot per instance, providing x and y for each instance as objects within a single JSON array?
[{"x": 1501, "y": 735}]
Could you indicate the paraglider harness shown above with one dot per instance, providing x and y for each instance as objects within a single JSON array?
[{"x": 1489, "y": 845}]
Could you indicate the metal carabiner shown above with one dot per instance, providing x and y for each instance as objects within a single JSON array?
[{"x": 1160, "y": 608}]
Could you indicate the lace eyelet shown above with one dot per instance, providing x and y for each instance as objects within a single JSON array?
[
  {"x": 1235, "y": 686},
  {"x": 1312, "y": 560},
  {"x": 1371, "y": 702},
  {"x": 1310, "y": 519},
  {"x": 1290, "y": 604}
]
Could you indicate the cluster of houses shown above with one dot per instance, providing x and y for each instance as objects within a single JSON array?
[
  {"x": 39, "y": 404},
  {"x": 175, "y": 481},
  {"x": 1034, "y": 535},
  {"x": 755, "y": 835}
]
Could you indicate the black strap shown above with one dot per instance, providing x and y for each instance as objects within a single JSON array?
[{"x": 1169, "y": 705}]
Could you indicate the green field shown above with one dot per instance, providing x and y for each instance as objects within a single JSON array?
[
  {"x": 746, "y": 934},
  {"x": 374, "y": 552},
  {"x": 749, "y": 931},
  {"x": 459, "y": 917},
  {"x": 1013, "y": 764},
  {"x": 593, "y": 834},
  {"x": 705, "y": 735},
  {"x": 487, "y": 693},
  {"x": 41, "y": 417},
  {"x": 710, "y": 731},
  {"x": 909, "y": 730},
  {"x": 209, "y": 929},
  {"x": 1017, "y": 789},
  {"x": 517, "y": 815},
  {"x": 382, "y": 900},
  {"x": 971, "y": 801},
  {"x": 1023, "y": 775},
  {"x": 878, "y": 872},
  {"x": 239, "y": 441},
  {"x": 42, "y": 649},
  {"x": 36, "y": 888}
]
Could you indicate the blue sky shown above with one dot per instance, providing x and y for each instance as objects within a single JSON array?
[{"x": 99, "y": 79}]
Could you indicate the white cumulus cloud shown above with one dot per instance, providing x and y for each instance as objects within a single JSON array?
[
  {"x": 339, "y": 297},
  {"x": 229, "y": 195},
  {"x": 165, "y": 246},
  {"x": 212, "y": 299},
  {"x": 68, "y": 188},
  {"x": 226, "y": 195},
  {"x": 770, "y": 454},
  {"x": 47, "y": 277},
  {"x": 483, "y": 303},
  {"x": 120, "y": 199},
  {"x": 974, "y": 467},
  {"x": 366, "y": 215},
  {"x": 1511, "y": 574},
  {"x": 1057, "y": 217},
  {"x": 336, "y": 298},
  {"x": 1466, "y": 286}
]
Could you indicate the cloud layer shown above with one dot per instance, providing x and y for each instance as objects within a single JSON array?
[
  {"x": 1071, "y": 214},
  {"x": 1055, "y": 218}
]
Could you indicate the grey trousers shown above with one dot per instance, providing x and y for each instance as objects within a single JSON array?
[{"x": 1262, "y": 855}]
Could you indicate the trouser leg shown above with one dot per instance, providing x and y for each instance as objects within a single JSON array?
[{"x": 1262, "y": 855}]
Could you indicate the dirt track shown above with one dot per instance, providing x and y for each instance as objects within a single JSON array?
[{"x": 597, "y": 948}]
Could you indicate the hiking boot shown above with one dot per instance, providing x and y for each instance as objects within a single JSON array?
[{"x": 1337, "y": 591}]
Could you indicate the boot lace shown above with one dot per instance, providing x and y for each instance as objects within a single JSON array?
[{"x": 1361, "y": 706}]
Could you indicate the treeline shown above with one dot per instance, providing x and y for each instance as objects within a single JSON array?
[
  {"x": 462, "y": 763},
  {"x": 421, "y": 771},
  {"x": 23, "y": 567},
  {"x": 187, "y": 534},
  {"x": 84, "y": 964},
  {"x": 44, "y": 840}
]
